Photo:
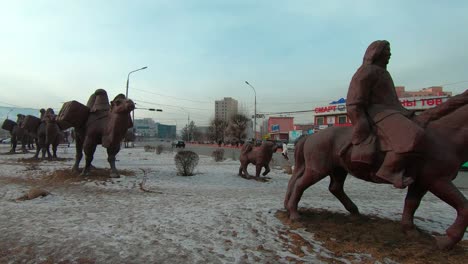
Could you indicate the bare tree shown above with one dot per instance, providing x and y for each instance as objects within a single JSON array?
[
  {"x": 237, "y": 127},
  {"x": 216, "y": 129},
  {"x": 188, "y": 132}
]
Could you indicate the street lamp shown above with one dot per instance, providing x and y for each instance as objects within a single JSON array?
[
  {"x": 126, "y": 95},
  {"x": 255, "y": 112},
  {"x": 128, "y": 78}
]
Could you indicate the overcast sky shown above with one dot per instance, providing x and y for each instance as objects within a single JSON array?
[{"x": 297, "y": 54}]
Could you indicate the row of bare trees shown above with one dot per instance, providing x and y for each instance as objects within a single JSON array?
[{"x": 235, "y": 129}]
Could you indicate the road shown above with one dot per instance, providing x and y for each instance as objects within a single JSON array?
[{"x": 229, "y": 152}]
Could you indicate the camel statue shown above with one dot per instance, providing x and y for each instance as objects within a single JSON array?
[
  {"x": 97, "y": 123},
  {"x": 17, "y": 133},
  {"x": 260, "y": 157},
  {"x": 328, "y": 153},
  {"x": 45, "y": 131}
]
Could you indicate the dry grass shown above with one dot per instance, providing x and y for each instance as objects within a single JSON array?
[{"x": 381, "y": 238}]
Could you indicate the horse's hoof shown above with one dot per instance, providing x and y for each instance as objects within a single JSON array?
[
  {"x": 294, "y": 216},
  {"x": 444, "y": 242}
]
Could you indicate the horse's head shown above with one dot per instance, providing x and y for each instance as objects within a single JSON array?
[{"x": 122, "y": 105}]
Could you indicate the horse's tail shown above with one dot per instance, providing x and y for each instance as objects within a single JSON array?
[
  {"x": 246, "y": 148},
  {"x": 299, "y": 165}
]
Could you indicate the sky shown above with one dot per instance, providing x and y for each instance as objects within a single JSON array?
[{"x": 296, "y": 54}]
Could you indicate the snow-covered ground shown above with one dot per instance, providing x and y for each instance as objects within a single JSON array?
[{"x": 212, "y": 217}]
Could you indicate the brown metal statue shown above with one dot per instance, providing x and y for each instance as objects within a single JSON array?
[
  {"x": 437, "y": 139},
  {"x": 17, "y": 133},
  {"x": 98, "y": 123},
  {"x": 260, "y": 157}
]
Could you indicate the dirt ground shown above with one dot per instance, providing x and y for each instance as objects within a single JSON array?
[{"x": 382, "y": 238}]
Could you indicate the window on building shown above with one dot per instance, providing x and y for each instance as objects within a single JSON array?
[
  {"x": 319, "y": 120},
  {"x": 342, "y": 119}
]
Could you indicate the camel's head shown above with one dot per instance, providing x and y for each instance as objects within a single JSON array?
[
  {"x": 20, "y": 118},
  {"x": 121, "y": 104}
]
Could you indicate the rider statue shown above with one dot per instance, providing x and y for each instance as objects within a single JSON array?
[{"x": 376, "y": 113}]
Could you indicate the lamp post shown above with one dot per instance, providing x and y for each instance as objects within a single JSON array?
[
  {"x": 128, "y": 78},
  {"x": 126, "y": 95},
  {"x": 255, "y": 112}
]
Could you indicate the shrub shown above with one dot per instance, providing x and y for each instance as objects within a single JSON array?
[
  {"x": 159, "y": 149},
  {"x": 149, "y": 148},
  {"x": 218, "y": 154},
  {"x": 186, "y": 161}
]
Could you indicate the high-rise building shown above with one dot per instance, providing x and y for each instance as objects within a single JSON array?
[{"x": 225, "y": 108}]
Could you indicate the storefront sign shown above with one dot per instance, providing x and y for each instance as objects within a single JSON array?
[
  {"x": 412, "y": 103},
  {"x": 422, "y": 103},
  {"x": 275, "y": 128}
]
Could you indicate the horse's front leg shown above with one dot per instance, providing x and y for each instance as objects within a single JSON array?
[
  {"x": 258, "y": 169},
  {"x": 413, "y": 199},
  {"x": 338, "y": 177},
  {"x": 111, "y": 153},
  {"x": 447, "y": 192},
  {"x": 244, "y": 169},
  {"x": 309, "y": 178},
  {"x": 267, "y": 169},
  {"x": 297, "y": 173},
  {"x": 241, "y": 169}
]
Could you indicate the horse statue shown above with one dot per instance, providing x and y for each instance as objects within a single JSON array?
[
  {"x": 328, "y": 153},
  {"x": 97, "y": 123},
  {"x": 17, "y": 133},
  {"x": 260, "y": 157}
]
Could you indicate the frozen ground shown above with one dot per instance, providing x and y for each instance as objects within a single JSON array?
[{"x": 212, "y": 217}]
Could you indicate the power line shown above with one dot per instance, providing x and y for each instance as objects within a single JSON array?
[
  {"x": 186, "y": 107},
  {"x": 173, "y": 97}
]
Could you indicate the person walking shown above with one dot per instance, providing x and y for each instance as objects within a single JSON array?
[{"x": 285, "y": 151}]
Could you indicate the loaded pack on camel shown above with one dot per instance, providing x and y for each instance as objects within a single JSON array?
[
  {"x": 438, "y": 146},
  {"x": 260, "y": 157},
  {"x": 97, "y": 122},
  {"x": 17, "y": 133}
]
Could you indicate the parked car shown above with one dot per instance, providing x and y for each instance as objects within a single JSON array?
[
  {"x": 178, "y": 144},
  {"x": 290, "y": 146},
  {"x": 6, "y": 141}
]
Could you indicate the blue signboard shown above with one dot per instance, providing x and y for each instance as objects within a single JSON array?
[
  {"x": 294, "y": 134},
  {"x": 275, "y": 128}
]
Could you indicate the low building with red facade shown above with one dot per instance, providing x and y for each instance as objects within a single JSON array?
[
  {"x": 279, "y": 127},
  {"x": 335, "y": 114}
]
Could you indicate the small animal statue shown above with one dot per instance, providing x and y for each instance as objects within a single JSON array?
[
  {"x": 45, "y": 131},
  {"x": 52, "y": 132},
  {"x": 260, "y": 157},
  {"x": 103, "y": 124},
  {"x": 17, "y": 133},
  {"x": 328, "y": 153}
]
